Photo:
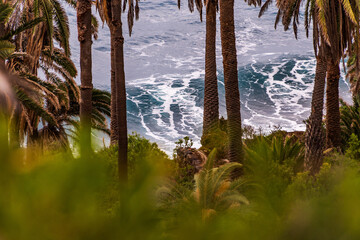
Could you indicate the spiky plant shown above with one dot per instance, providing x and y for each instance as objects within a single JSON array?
[
  {"x": 281, "y": 151},
  {"x": 214, "y": 190},
  {"x": 270, "y": 165},
  {"x": 350, "y": 119}
]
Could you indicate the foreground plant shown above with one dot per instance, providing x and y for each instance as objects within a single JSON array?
[
  {"x": 214, "y": 190},
  {"x": 350, "y": 119}
]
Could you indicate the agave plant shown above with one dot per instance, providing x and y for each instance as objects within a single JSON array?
[{"x": 214, "y": 190}]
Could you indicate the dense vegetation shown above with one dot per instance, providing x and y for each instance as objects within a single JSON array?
[
  {"x": 56, "y": 196},
  {"x": 239, "y": 184}
]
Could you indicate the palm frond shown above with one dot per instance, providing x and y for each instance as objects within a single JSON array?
[
  {"x": 264, "y": 7},
  {"x": 62, "y": 25},
  {"x": 6, "y": 49},
  {"x": 5, "y": 12},
  {"x": 348, "y": 10},
  {"x": 39, "y": 109},
  {"x": 25, "y": 26}
]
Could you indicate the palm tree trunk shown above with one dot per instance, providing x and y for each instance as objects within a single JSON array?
[
  {"x": 84, "y": 36},
  {"x": 120, "y": 90},
  {"x": 314, "y": 135},
  {"x": 232, "y": 95},
  {"x": 333, "y": 138},
  {"x": 211, "y": 96},
  {"x": 113, "y": 120},
  {"x": 2, "y": 33}
]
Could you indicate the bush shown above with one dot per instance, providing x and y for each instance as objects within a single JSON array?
[
  {"x": 353, "y": 150},
  {"x": 271, "y": 165},
  {"x": 140, "y": 151},
  {"x": 216, "y": 138},
  {"x": 55, "y": 196},
  {"x": 350, "y": 120}
]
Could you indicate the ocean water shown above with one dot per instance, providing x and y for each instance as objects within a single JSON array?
[{"x": 164, "y": 67}]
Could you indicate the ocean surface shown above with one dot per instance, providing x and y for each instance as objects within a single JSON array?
[{"x": 164, "y": 67}]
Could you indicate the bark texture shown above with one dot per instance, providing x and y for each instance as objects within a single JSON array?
[
  {"x": 211, "y": 96},
  {"x": 84, "y": 37},
  {"x": 232, "y": 95},
  {"x": 113, "y": 120},
  {"x": 314, "y": 135},
  {"x": 2, "y": 33},
  {"x": 120, "y": 90},
  {"x": 333, "y": 137}
]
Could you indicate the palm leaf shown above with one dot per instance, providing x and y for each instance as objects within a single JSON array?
[
  {"x": 32, "y": 105},
  {"x": 6, "y": 49},
  {"x": 62, "y": 24},
  {"x": 5, "y": 12},
  {"x": 348, "y": 10},
  {"x": 25, "y": 26}
]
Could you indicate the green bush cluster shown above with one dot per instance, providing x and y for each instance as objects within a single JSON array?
[{"x": 56, "y": 196}]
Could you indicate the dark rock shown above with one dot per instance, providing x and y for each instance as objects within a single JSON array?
[{"x": 190, "y": 159}]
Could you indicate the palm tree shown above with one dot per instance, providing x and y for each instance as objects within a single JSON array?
[
  {"x": 54, "y": 28},
  {"x": 337, "y": 23},
  {"x": 85, "y": 38},
  {"x": 66, "y": 118},
  {"x": 331, "y": 37},
  {"x": 104, "y": 9},
  {"x": 35, "y": 50},
  {"x": 118, "y": 47},
  {"x": 113, "y": 120},
  {"x": 232, "y": 95},
  {"x": 211, "y": 96},
  {"x": 40, "y": 100},
  {"x": 28, "y": 93},
  {"x": 53, "y": 102},
  {"x": 111, "y": 13},
  {"x": 314, "y": 134}
]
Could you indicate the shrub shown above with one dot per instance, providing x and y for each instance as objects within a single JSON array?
[
  {"x": 214, "y": 191},
  {"x": 270, "y": 165},
  {"x": 353, "y": 151},
  {"x": 350, "y": 120}
]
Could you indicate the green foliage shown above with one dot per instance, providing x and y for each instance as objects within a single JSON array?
[
  {"x": 6, "y": 49},
  {"x": 353, "y": 150},
  {"x": 350, "y": 119},
  {"x": 55, "y": 196},
  {"x": 140, "y": 151},
  {"x": 188, "y": 143},
  {"x": 214, "y": 191},
  {"x": 216, "y": 139},
  {"x": 286, "y": 152},
  {"x": 270, "y": 165}
]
